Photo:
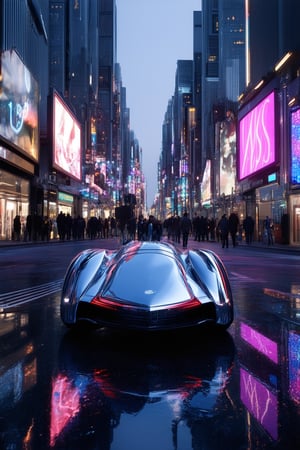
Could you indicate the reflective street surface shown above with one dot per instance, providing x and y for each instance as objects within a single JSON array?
[{"x": 176, "y": 391}]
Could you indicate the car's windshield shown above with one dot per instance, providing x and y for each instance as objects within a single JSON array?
[{"x": 150, "y": 278}]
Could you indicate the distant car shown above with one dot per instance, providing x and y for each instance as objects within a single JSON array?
[{"x": 146, "y": 286}]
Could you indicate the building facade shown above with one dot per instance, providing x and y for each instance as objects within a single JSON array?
[
  {"x": 23, "y": 106},
  {"x": 62, "y": 143},
  {"x": 236, "y": 71}
]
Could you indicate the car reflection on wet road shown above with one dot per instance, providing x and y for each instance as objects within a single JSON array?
[
  {"x": 185, "y": 391},
  {"x": 175, "y": 383}
]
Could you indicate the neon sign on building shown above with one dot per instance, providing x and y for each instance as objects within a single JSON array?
[
  {"x": 295, "y": 147},
  {"x": 257, "y": 143}
]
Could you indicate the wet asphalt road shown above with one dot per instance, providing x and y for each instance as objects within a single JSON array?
[{"x": 192, "y": 390}]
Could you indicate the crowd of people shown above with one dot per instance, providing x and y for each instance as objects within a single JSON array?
[
  {"x": 64, "y": 228},
  {"x": 177, "y": 229}
]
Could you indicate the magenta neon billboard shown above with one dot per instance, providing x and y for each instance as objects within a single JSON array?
[
  {"x": 295, "y": 146},
  {"x": 257, "y": 141},
  {"x": 66, "y": 140}
]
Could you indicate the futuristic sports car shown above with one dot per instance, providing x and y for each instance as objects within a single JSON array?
[{"x": 146, "y": 286}]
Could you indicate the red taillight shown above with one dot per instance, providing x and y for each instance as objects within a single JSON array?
[
  {"x": 108, "y": 303},
  {"x": 104, "y": 302},
  {"x": 189, "y": 304}
]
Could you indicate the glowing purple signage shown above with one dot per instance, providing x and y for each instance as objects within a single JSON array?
[
  {"x": 260, "y": 402},
  {"x": 257, "y": 138},
  {"x": 295, "y": 146},
  {"x": 294, "y": 366},
  {"x": 260, "y": 342}
]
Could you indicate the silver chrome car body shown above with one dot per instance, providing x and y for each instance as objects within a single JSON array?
[{"x": 146, "y": 286}]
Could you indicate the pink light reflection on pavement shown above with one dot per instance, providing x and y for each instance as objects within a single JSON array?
[
  {"x": 260, "y": 342},
  {"x": 64, "y": 405},
  {"x": 260, "y": 402}
]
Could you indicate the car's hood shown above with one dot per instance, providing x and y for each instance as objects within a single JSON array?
[{"x": 148, "y": 279}]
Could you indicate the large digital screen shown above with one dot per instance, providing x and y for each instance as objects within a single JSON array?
[
  {"x": 19, "y": 98},
  {"x": 257, "y": 142},
  {"x": 294, "y": 365},
  {"x": 66, "y": 140},
  {"x": 295, "y": 147},
  {"x": 228, "y": 154},
  {"x": 205, "y": 185}
]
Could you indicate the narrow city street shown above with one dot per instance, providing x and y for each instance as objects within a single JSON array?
[
  {"x": 183, "y": 390},
  {"x": 123, "y": 124}
]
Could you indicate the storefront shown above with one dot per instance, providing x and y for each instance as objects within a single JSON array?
[
  {"x": 271, "y": 203},
  {"x": 54, "y": 203},
  {"x": 294, "y": 213},
  {"x": 65, "y": 203},
  {"x": 19, "y": 143},
  {"x": 14, "y": 200}
]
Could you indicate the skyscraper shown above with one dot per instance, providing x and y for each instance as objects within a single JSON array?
[
  {"x": 272, "y": 30},
  {"x": 23, "y": 106}
]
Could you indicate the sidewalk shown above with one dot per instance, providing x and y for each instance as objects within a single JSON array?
[
  {"x": 255, "y": 245},
  {"x": 10, "y": 243}
]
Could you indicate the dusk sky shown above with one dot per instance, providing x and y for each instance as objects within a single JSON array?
[{"x": 151, "y": 37}]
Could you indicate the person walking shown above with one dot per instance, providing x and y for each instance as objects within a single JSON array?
[
  {"x": 131, "y": 228},
  {"x": 177, "y": 229},
  {"x": 223, "y": 227},
  {"x": 113, "y": 227},
  {"x": 17, "y": 228},
  {"x": 61, "y": 225},
  {"x": 150, "y": 228},
  {"x": 212, "y": 229},
  {"x": 233, "y": 225},
  {"x": 28, "y": 228},
  {"x": 186, "y": 228},
  {"x": 106, "y": 228},
  {"x": 248, "y": 225},
  {"x": 268, "y": 225}
]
